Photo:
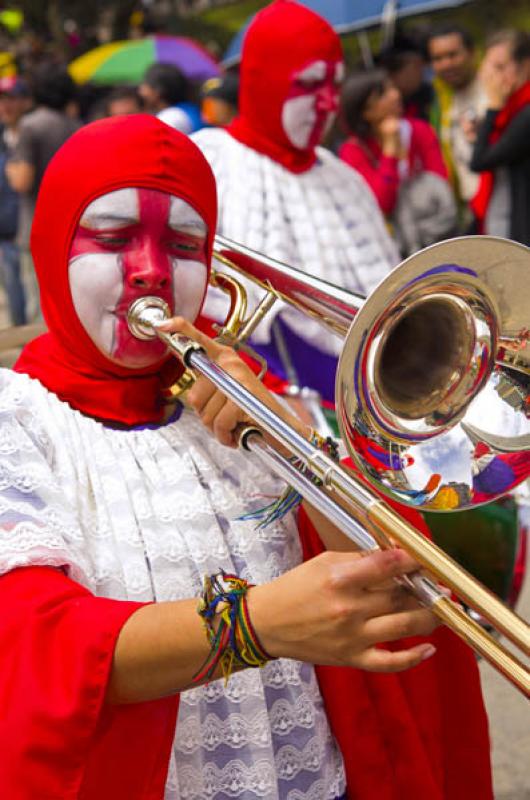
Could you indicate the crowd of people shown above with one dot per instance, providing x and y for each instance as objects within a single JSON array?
[
  {"x": 40, "y": 110},
  {"x": 157, "y": 642},
  {"x": 435, "y": 130}
]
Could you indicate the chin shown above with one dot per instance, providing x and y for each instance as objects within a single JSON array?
[
  {"x": 143, "y": 355},
  {"x": 142, "y": 360},
  {"x": 139, "y": 363}
]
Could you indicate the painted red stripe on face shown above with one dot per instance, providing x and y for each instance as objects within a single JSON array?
[{"x": 147, "y": 252}]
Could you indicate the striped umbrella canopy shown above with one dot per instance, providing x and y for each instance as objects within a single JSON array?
[{"x": 126, "y": 61}]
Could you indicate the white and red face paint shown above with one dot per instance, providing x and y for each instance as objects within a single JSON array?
[
  {"x": 128, "y": 244},
  {"x": 312, "y": 102}
]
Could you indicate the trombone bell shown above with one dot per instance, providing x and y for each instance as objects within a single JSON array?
[
  {"x": 431, "y": 401},
  {"x": 432, "y": 387}
]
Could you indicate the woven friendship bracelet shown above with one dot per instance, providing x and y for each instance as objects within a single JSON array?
[
  {"x": 233, "y": 641},
  {"x": 327, "y": 444}
]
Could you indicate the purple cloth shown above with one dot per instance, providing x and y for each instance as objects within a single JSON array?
[{"x": 313, "y": 367}]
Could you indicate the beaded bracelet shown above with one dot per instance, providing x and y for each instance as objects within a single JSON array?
[
  {"x": 290, "y": 498},
  {"x": 234, "y": 642},
  {"x": 327, "y": 444}
]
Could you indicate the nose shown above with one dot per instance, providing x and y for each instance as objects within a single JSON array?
[
  {"x": 148, "y": 269},
  {"x": 327, "y": 98},
  {"x": 146, "y": 277}
]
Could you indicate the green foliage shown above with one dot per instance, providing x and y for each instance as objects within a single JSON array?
[
  {"x": 215, "y": 36},
  {"x": 232, "y": 16}
]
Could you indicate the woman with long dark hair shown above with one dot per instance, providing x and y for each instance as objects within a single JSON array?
[{"x": 391, "y": 153}]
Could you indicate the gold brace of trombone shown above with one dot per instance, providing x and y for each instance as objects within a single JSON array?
[{"x": 467, "y": 342}]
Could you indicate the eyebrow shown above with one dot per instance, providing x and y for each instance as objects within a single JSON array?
[
  {"x": 315, "y": 70},
  {"x": 193, "y": 226},
  {"x": 102, "y": 221}
]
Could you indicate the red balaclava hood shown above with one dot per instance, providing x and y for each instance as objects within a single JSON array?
[
  {"x": 135, "y": 151},
  {"x": 282, "y": 39}
]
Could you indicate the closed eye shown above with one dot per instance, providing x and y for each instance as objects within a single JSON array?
[
  {"x": 186, "y": 244},
  {"x": 189, "y": 248},
  {"x": 112, "y": 241},
  {"x": 308, "y": 83}
]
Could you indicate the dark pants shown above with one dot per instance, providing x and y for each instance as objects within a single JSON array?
[{"x": 11, "y": 281}]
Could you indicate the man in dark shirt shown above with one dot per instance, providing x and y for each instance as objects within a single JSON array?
[
  {"x": 42, "y": 132},
  {"x": 15, "y": 101},
  {"x": 406, "y": 65}
]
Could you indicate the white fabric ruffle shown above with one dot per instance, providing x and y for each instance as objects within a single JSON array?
[
  {"x": 325, "y": 222},
  {"x": 143, "y": 515}
]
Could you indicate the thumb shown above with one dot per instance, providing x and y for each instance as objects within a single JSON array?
[{"x": 183, "y": 326}]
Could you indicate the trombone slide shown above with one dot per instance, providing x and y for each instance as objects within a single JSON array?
[{"x": 365, "y": 505}]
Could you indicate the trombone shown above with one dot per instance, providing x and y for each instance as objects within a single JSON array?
[{"x": 432, "y": 402}]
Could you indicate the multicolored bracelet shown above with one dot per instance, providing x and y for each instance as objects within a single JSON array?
[
  {"x": 327, "y": 444},
  {"x": 233, "y": 640}
]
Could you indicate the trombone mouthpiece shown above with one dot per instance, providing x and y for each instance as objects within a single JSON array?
[{"x": 144, "y": 314}]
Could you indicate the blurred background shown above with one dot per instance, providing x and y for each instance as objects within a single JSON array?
[{"x": 64, "y": 63}]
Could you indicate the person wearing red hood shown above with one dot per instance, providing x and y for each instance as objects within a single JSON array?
[
  {"x": 284, "y": 195},
  {"x": 113, "y": 508}
]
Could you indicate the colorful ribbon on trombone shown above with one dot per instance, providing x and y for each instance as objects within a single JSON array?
[{"x": 290, "y": 498}]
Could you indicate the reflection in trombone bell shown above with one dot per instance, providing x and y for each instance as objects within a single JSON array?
[
  {"x": 494, "y": 472},
  {"x": 418, "y": 356}
]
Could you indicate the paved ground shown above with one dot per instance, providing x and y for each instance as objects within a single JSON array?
[
  {"x": 509, "y": 715},
  {"x": 508, "y": 711}
]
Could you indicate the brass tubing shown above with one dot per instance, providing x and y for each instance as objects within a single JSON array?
[
  {"x": 493, "y": 651},
  {"x": 451, "y": 574},
  {"x": 378, "y": 517}
]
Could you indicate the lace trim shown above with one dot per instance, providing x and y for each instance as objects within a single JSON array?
[
  {"x": 235, "y": 779},
  {"x": 142, "y": 515}
]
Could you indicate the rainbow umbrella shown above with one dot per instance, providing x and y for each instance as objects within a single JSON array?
[
  {"x": 126, "y": 61},
  {"x": 8, "y": 65}
]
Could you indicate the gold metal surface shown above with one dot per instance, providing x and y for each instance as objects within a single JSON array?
[
  {"x": 435, "y": 360},
  {"x": 238, "y": 303},
  {"x": 228, "y": 331},
  {"x": 450, "y": 573},
  {"x": 493, "y": 651}
]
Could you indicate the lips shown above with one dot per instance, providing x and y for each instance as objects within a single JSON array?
[{"x": 122, "y": 309}]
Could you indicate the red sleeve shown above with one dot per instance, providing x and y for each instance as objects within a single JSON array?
[
  {"x": 382, "y": 177},
  {"x": 422, "y": 733},
  {"x": 426, "y": 147},
  {"x": 58, "y": 738}
]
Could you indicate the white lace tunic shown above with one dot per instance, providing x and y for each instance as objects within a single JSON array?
[
  {"x": 142, "y": 515},
  {"x": 325, "y": 222}
]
